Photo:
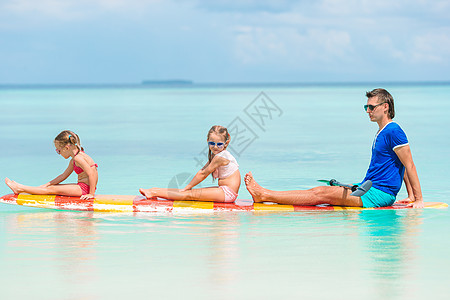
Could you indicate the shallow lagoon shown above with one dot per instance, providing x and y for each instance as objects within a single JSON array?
[{"x": 149, "y": 136}]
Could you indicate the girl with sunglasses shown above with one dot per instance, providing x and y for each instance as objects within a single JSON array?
[
  {"x": 67, "y": 145},
  {"x": 221, "y": 164}
]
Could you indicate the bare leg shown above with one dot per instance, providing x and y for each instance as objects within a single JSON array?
[
  {"x": 58, "y": 189},
  {"x": 203, "y": 194},
  {"x": 333, "y": 195},
  {"x": 14, "y": 186}
]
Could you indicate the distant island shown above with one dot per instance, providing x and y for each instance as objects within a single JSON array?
[{"x": 168, "y": 82}]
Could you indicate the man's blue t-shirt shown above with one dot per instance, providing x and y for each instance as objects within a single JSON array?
[{"x": 385, "y": 169}]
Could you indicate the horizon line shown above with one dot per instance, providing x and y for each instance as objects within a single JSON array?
[{"x": 190, "y": 84}]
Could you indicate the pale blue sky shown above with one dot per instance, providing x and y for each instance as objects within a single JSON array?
[{"x": 127, "y": 41}]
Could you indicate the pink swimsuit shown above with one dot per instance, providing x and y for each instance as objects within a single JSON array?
[
  {"x": 85, "y": 189},
  {"x": 224, "y": 172},
  {"x": 230, "y": 195}
]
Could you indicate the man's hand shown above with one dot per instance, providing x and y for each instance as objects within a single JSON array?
[{"x": 416, "y": 204}]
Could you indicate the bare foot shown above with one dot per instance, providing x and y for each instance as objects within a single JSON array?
[
  {"x": 258, "y": 192},
  {"x": 147, "y": 193},
  {"x": 14, "y": 186}
]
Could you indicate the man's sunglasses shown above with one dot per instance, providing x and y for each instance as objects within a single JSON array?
[{"x": 372, "y": 107}]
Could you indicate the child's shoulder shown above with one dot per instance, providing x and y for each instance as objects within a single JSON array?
[
  {"x": 82, "y": 156},
  {"x": 225, "y": 154}
]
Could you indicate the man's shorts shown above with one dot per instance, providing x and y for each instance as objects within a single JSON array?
[{"x": 376, "y": 198}]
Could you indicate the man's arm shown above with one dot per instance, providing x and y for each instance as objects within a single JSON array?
[
  {"x": 411, "y": 178},
  {"x": 408, "y": 189}
]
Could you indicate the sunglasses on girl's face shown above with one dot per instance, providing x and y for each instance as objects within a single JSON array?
[{"x": 219, "y": 145}]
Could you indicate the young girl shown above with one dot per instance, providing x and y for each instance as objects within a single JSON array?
[
  {"x": 67, "y": 145},
  {"x": 220, "y": 163}
]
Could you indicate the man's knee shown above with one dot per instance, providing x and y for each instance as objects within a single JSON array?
[{"x": 321, "y": 192}]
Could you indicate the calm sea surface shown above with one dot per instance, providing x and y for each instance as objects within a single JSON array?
[{"x": 288, "y": 136}]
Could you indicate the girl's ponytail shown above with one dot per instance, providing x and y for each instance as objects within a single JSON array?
[{"x": 69, "y": 137}]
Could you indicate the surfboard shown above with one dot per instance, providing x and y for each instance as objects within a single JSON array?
[{"x": 125, "y": 203}]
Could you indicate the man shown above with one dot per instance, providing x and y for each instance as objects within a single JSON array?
[{"x": 391, "y": 163}]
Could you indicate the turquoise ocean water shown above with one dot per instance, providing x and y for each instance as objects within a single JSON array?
[{"x": 288, "y": 136}]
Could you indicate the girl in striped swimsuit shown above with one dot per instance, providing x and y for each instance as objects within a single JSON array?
[{"x": 221, "y": 164}]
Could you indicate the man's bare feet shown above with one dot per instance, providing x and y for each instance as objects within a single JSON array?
[
  {"x": 14, "y": 186},
  {"x": 259, "y": 194},
  {"x": 147, "y": 193}
]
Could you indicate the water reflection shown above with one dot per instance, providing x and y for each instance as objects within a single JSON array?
[
  {"x": 225, "y": 253},
  {"x": 38, "y": 245},
  {"x": 389, "y": 240}
]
